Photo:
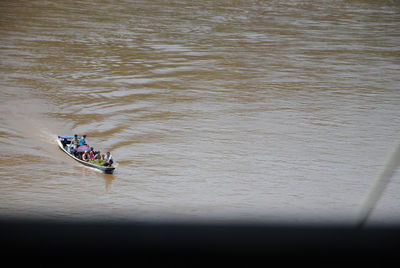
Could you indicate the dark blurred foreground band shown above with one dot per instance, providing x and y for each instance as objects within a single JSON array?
[{"x": 175, "y": 242}]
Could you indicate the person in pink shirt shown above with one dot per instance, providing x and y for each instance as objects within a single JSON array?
[{"x": 91, "y": 155}]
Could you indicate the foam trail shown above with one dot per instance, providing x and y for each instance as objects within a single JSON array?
[
  {"x": 37, "y": 134},
  {"x": 379, "y": 187}
]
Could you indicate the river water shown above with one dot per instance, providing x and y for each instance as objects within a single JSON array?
[{"x": 214, "y": 110}]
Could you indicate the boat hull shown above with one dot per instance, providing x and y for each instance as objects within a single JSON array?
[{"x": 104, "y": 169}]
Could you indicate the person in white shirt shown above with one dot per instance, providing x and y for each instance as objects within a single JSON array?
[{"x": 108, "y": 161}]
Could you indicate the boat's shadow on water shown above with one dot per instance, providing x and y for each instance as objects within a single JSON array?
[
  {"x": 108, "y": 178},
  {"x": 88, "y": 172}
]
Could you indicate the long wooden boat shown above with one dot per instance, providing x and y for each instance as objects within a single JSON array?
[{"x": 67, "y": 140}]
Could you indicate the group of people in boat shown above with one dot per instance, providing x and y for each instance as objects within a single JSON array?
[{"x": 89, "y": 153}]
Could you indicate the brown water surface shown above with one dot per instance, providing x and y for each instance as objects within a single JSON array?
[{"x": 222, "y": 110}]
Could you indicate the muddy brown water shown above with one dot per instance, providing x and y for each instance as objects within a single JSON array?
[{"x": 221, "y": 110}]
